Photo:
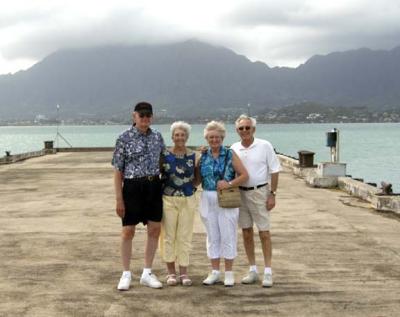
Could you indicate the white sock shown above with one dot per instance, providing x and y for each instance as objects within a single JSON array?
[
  {"x": 215, "y": 272},
  {"x": 229, "y": 273},
  {"x": 146, "y": 271},
  {"x": 126, "y": 273},
  {"x": 253, "y": 268},
  {"x": 267, "y": 270}
]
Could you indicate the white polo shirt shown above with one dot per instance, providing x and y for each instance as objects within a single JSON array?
[{"x": 259, "y": 159}]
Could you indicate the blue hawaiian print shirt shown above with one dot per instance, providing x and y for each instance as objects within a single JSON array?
[
  {"x": 137, "y": 154},
  {"x": 211, "y": 168},
  {"x": 179, "y": 170}
]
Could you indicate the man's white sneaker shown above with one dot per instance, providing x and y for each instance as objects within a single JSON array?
[
  {"x": 250, "y": 278},
  {"x": 150, "y": 280},
  {"x": 267, "y": 281},
  {"x": 211, "y": 279},
  {"x": 124, "y": 281},
  {"x": 229, "y": 279}
]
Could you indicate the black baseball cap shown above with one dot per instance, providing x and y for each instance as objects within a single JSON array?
[{"x": 144, "y": 107}]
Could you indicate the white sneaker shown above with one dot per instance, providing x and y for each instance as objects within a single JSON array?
[
  {"x": 229, "y": 279},
  {"x": 211, "y": 279},
  {"x": 150, "y": 280},
  {"x": 250, "y": 278},
  {"x": 124, "y": 281},
  {"x": 267, "y": 281}
]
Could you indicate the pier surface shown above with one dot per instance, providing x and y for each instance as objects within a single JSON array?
[{"x": 59, "y": 250}]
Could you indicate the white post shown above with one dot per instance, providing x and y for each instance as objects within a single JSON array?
[
  {"x": 337, "y": 146},
  {"x": 58, "y": 122}
]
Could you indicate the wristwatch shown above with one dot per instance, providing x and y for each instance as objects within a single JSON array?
[
  {"x": 230, "y": 183},
  {"x": 272, "y": 192}
]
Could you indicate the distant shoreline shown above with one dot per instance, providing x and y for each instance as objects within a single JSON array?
[{"x": 26, "y": 124}]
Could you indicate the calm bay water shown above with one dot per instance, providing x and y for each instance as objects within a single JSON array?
[{"x": 371, "y": 150}]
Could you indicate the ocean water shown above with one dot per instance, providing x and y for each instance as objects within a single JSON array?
[{"x": 371, "y": 150}]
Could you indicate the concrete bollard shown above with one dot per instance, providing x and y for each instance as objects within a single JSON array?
[
  {"x": 8, "y": 157},
  {"x": 49, "y": 147},
  {"x": 306, "y": 158}
]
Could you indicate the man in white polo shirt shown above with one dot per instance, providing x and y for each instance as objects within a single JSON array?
[{"x": 258, "y": 195}]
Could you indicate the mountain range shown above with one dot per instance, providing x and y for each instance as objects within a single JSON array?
[{"x": 193, "y": 78}]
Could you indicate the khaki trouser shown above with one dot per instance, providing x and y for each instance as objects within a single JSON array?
[{"x": 177, "y": 228}]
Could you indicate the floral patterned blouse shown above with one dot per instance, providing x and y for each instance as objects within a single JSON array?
[
  {"x": 211, "y": 168},
  {"x": 179, "y": 172}
]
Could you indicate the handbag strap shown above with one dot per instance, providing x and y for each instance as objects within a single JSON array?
[{"x": 225, "y": 163}]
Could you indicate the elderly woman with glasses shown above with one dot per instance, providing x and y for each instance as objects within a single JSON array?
[
  {"x": 220, "y": 168},
  {"x": 179, "y": 204}
]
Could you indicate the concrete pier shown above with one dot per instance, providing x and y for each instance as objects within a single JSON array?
[{"x": 59, "y": 249}]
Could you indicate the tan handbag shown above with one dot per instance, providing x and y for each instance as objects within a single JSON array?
[{"x": 229, "y": 197}]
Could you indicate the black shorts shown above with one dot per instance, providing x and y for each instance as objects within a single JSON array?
[{"x": 143, "y": 201}]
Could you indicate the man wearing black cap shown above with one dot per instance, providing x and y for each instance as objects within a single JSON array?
[{"x": 138, "y": 190}]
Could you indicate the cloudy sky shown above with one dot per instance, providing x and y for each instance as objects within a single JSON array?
[{"x": 279, "y": 33}]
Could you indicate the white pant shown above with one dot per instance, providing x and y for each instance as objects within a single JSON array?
[{"x": 221, "y": 226}]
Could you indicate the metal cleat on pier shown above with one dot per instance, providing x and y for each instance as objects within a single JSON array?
[{"x": 386, "y": 188}]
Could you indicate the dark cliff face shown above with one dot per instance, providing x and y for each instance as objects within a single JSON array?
[{"x": 192, "y": 78}]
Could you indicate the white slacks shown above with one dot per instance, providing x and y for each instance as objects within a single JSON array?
[{"x": 221, "y": 226}]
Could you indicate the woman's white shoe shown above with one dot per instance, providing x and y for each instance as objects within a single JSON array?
[{"x": 212, "y": 278}]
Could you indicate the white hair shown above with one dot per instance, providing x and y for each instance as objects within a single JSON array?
[
  {"x": 181, "y": 125},
  {"x": 215, "y": 126},
  {"x": 245, "y": 117}
]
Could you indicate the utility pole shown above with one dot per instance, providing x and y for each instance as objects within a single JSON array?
[{"x": 58, "y": 135}]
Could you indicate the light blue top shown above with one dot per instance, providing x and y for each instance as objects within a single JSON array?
[{"x": 211, "y": 168}]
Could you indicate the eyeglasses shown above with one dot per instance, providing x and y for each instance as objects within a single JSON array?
[
  {"x": 247, "y": 128},
  {"x": 147, "y": 115}
]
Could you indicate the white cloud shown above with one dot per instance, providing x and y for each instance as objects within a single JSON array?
[
  {"x": 292, "y": 31},
  {"x": 287, "y": 32}
]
